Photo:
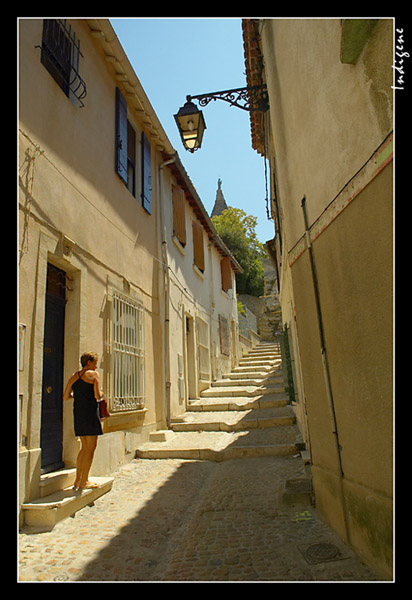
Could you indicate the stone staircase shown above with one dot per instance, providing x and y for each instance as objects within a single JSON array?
[{"x": 245, "y": 414}]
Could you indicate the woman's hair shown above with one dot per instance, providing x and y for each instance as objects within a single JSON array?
[{"x": 86, "y": 356}]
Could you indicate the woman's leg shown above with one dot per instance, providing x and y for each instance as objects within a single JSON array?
[{"x": 85, "y": 459}]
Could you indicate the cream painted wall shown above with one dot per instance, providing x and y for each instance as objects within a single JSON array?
[
  {"x": 338, "y": 108},
  {"x": 71, "y": 189},
  {"x": 194, "y": 295}
]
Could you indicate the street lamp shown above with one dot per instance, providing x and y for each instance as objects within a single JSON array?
[{"x": 191, "y": 123}]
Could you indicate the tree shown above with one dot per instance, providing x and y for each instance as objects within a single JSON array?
[{"x": 237, "y": 230}]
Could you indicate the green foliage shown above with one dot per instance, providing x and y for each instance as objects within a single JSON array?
[
  {"x": 237, "y": 230},
  {"x": 241, "y": 308}
]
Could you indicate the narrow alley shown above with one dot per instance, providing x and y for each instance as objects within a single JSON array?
[
  {"x": 225, "y": 496},
  {"x": 186, "y": 520}
]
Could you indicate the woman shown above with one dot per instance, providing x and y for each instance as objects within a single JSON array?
[{"x": 86, "y": 391}]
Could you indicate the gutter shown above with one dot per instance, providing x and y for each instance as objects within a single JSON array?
[
  {"x": 166, "y": 270},
  {"x": 325, "y": 363}
]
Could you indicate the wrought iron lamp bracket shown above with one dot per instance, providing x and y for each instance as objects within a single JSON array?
[{"x": 252, "y": 98}]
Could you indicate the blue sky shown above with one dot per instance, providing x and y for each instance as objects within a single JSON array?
[{"x": 177, "y": 57}]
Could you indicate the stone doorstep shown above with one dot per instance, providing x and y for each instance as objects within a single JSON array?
[
  {"x": 298, "y": 491},
  {"x": 56, "y": 481},
  {"x": 44, "y": 513}
]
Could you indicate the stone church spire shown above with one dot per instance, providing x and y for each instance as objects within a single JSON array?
[{"x": 220, "y": 203}]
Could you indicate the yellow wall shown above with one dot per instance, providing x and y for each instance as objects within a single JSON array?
[
  {"x": 72, "y": 189},
  {"x": 330, "y": 129}
]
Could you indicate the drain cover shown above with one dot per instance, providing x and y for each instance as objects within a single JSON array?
[{"x": 320, "y": 552}]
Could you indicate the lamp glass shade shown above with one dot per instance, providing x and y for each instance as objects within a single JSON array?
[{"x": 191, "y": 125}]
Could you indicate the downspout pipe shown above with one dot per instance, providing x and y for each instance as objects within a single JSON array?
[
  {"x": 325, "y": 364},
  {"x": 166, "y": 269},
  {"x": 324, "y": 356}
]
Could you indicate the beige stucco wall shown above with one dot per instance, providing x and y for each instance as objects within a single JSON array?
[
  {"x": 327, "y": 120},
  {"x": 355, "y": 283},
  {"x": 321, "y": 110},
  {"x": 76, "y": 213},
  {"x": 195, "y": 295},
  {"x": 75, "y": 192}
]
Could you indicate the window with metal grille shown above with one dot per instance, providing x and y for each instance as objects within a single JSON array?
[
  {"x": 203, "y": 352},
  {"x": 60, "y": 54},
  {"x": 127, "y": 354}
]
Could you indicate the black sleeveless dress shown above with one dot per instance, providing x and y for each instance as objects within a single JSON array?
[{"x": 85, "y": 409}]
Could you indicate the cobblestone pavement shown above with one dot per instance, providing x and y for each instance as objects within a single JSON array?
[{"x": 186, "y": 520}]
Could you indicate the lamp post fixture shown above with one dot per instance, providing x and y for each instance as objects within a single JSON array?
[{"x": 190, "y": 120}]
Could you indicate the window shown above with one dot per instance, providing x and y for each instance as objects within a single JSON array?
[
  {"x": 203, "y": 348},
  {"x": 121, "y": 136},
  {"x": 125, "y": 154},
  {"x": 226, "y": 272},
  {"x": 179, "y": 221},
  {"x": 198, "y": 247},
  {"x": 126, "y": 380},
  {"x": 60, "y": 54},
  {"x": 131, "y": 159},
  {"x": 146, "y": 174}
]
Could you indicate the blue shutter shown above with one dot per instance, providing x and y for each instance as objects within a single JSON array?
[
  {"x": 146, "y": 174},
  {"x": 121, "y": 136}
]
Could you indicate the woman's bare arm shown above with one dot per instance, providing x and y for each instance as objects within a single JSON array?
[{"x": 97, "y": 391}]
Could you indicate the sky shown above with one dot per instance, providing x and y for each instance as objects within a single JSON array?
[{"x": 176, "y": 57}]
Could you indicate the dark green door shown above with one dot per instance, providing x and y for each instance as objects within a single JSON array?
[{"x": 51, "y": 436}]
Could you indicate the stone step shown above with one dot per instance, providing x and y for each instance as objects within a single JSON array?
[
  {"x": 267, "y": 360},
  {"x": 241, "y": 380},
  {"x": 43, "y": 513},
  {"x": 269, "y": 364},
  {"x": 56, "y": 481},
  {"x": 238, "y": 403},
  {"x": 219, "y": 446},
  {"x": 235, "y": 420},
  {"x": 258, "y": 377},
  {"x": 266, "y": 346},
  {"x": 265, "y": 353},
  {"x": 240, "y": 391},
  {"x": 256, "y": 369}
]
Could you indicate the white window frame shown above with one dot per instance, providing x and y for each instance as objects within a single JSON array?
[{"x": 127, "y": 356}]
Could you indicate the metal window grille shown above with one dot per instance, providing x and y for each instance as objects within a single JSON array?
[
  {"x": 60, "y": 53},
  {"x": 203, "y": 348},
  {"x": 127, "y": 354}
]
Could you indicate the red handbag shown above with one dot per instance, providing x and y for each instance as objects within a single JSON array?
[{"x": 103, "y": 409}]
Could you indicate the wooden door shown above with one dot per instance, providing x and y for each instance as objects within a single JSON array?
[{"x": 51, "y": 435}]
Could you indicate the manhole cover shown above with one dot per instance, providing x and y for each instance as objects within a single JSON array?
[{"x": 320, "y": 552}]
